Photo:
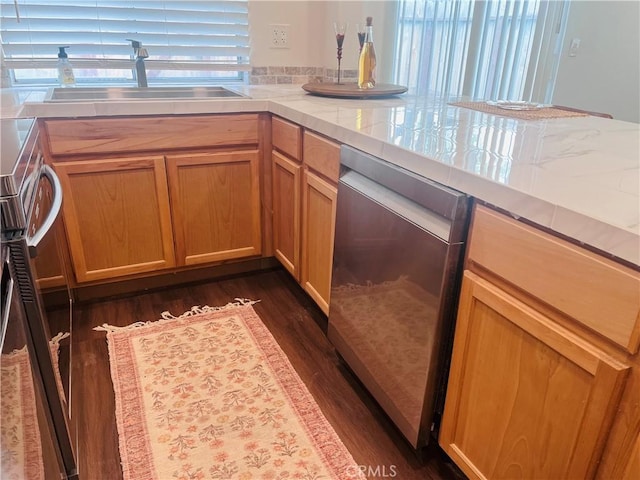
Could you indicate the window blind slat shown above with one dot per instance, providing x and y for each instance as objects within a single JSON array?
[
  {"x": 480, "y": 48},
  {"x": 111, "y": 63},
  {"x": 510, "y": 55},
  {"x": 525, "y": 36},
  {"x": 82, "y": 50},
  {"x": 484, "y": 35},
  {"x": 466, "y": 43},
  {"x": 149, "y": 41},
  {"x": 76, "y": 7},
  {"x": 72, "y": 24},
  {"x": 196, "y": 31}
]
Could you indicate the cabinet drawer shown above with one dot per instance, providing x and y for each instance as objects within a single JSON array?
[
  {"x": 322, "y": 155},
  {"x": 286, "y": 137},
  {"x": 113, "y": 135},
  {"x": 593, "y": 290}
]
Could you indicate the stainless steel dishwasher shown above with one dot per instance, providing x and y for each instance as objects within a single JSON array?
[{"x": 396, "y": 267}]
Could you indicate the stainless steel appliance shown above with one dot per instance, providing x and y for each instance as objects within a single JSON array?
[
  {"x": 30, "y": 201},
  {"x": 396, "y": 267},
  {"x": 28, "y": 441}
]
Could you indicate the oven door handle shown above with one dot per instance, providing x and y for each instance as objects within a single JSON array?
[{"x": 56, "y": 205}]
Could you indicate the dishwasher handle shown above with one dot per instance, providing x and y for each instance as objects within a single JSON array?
[
  {"x": 34, "y": 240},
  {"x": 435, "y": 197},
  {"x": 427, "y": 220}
]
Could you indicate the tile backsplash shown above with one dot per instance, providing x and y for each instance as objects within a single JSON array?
[{"x": 298, "y": 75}]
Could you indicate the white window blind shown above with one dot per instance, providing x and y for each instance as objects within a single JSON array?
[
  {"x": 206, "y": 38},
  {"x": 498, "y": 49}
]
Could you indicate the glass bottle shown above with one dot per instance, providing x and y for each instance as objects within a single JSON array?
[
  {"x": 367, "y": 63},
  {"x": 65, "y": 71}
]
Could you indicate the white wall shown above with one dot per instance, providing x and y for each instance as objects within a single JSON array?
[
  {"x": 304, "y": 18},
  {"x": 311, "y": 36},
  {"x": 604, "y": 76}
]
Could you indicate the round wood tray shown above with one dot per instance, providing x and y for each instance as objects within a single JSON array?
[{"x": 351, "y": 90}]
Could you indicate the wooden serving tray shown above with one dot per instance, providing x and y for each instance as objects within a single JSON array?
[{"x": 351, "y": 90}]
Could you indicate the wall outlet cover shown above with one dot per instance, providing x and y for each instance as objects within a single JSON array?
[{"x": 279, "y": 35}]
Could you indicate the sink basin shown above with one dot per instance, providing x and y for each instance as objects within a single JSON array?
[{"x": 106, "y": 94}]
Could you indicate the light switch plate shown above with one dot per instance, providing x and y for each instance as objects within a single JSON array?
[{"x": 573, "y": 48}]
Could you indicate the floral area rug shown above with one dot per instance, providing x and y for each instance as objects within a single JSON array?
[
  {"x": 20, "y": 440},
  {"x": 210, "y": 395}
]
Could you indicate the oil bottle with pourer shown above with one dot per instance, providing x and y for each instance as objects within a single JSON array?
[{"x": 367, "y": 63}]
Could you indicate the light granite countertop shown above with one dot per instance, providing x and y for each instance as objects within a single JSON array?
[{"x": 577, "y": 176}]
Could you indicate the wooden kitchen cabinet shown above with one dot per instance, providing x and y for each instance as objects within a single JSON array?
[
  {"x": 321, "y": 158},
  {"x": 117, "y": 216},
  {"x": 149, "y": 194},
  {"x": 318, "y": 231},
  {"x": 631, "y": 470},
  {"x": 305, "y": 176},
  {"x": 535, "y": 383},
  {"x": 162, "y": 133},
  {"x": 526, "y": 398},
  {"x": 215, "y": 205},
  {"x": 286, "y": 158},
  {"x": 287, "y": 204}
]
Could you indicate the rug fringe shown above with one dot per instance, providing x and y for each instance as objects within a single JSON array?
[
  {"x": 60, "y": 336},
  {"x": 195, "y": 310},
  {"x": 15, "y": 351},
  {"x": 105, "y": 327}
]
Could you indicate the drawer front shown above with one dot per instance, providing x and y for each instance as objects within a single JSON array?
[
  {"x": 322, "y": 155},
  {"x": 113, "y": 135},
  {"x": 593, "y": 290},
  {"x": 286, "y": 137}
]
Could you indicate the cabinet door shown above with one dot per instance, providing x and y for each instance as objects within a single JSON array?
[
  {"x": 526, "y": 398},
  {"x": 286, "y": 212},
  {"x": 318, "y": 230},
  {"x": 117, "y": 216},
  {"x": 632, "y": 469},
  {"x": 215, "y": 203}
]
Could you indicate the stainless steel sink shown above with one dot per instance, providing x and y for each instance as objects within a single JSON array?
[{"x": 106, "y": 94}]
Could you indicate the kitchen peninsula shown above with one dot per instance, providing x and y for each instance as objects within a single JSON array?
[{"x": 577, "y": 179}]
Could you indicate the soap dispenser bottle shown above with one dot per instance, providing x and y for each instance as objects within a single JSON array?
[{"x": 65, "y": 71}]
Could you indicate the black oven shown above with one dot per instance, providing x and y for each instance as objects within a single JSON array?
[{"x": 30, "y": 204}]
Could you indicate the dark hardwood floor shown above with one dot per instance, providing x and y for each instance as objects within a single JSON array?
[{"x": 298, "y": 326}]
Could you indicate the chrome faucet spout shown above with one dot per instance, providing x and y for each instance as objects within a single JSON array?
[{"x": 140, "y": 53}]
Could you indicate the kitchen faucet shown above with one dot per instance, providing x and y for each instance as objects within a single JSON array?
[{"x": 140, "y": 53}]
